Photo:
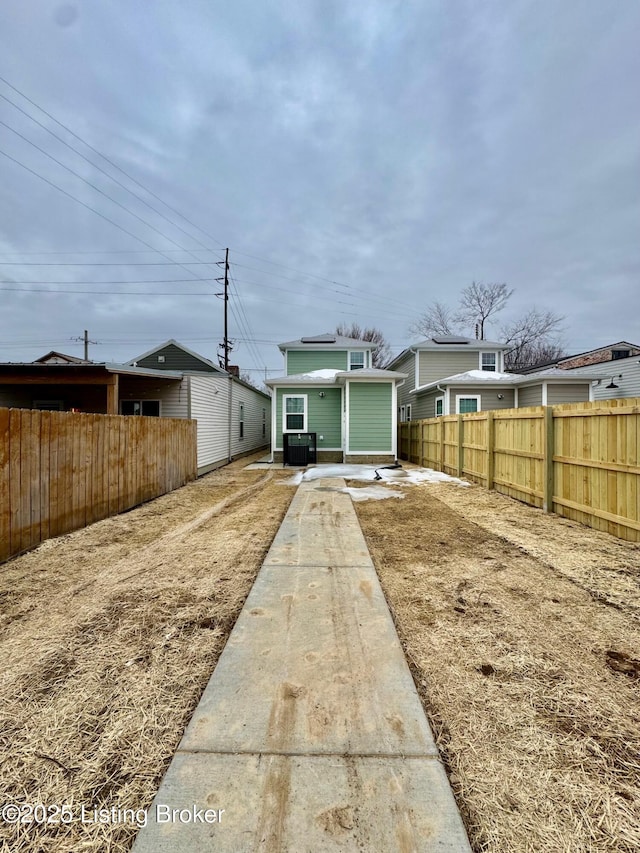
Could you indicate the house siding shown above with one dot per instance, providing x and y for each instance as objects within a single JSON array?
[
  {"x": 406, "y": 365},
  {"x": 438, "y": 365},
  {"x": 530, "y": 396},
  {"x": 425, "y": 405},
  {"x": 299, "y": 361},
  {"x": 209, "y": 407},
  {"x": 488, "y": 397},
  {"x": 174, "y": 359},
  {"x": 628, "y": 386},
  {"x": 370, "y": 415},
  {"x": 324, "y": 415},
  {"x": 253, "y": 402},
  {"x": 577, "y": 393}
]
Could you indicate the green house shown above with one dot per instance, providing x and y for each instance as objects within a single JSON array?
[{"x": 331, "y": 392}]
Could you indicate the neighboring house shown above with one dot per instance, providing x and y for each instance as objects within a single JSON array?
[
  {"x": 431, "y": 360},
  {"x": 477, "y": 390},
  {"x": 234, "y": 418},
  {"x": 331, "y": 390},
  {"x": 616, "y": 379},
  {"x": 612, "y": 352},
  {"x": 54, "y": 357}
]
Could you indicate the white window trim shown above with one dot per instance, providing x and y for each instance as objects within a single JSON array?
[
  {"x": 304, "y": 413},
  {"x": 365, "y": 359},
  {"x": 468, "y": 397},
  {"x": 436, "y": 407},
  {"x": 403, "y": 412},
  {"x": 488, "y": 352},
  {"x": 408, "y": 411}
]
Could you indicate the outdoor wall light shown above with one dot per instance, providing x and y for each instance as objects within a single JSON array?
[
  {"x": 500, "y": 396},
  {"x": 612, "y": 384},
  {"x": 321, "y": 394}
]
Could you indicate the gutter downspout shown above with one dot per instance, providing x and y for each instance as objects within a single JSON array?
[
  {"x": 396, "y": 385},
  {"x": 444, "y": 398}
]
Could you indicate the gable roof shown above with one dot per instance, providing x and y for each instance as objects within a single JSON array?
[
  {"x": 327, "y": 341},
  {"x": 604, "y": 349},
  {"x": 55, "y": 357},
  {"x": 210, "y": 366}
]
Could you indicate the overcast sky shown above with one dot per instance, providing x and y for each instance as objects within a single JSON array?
[{"x": 360, "y": 159}]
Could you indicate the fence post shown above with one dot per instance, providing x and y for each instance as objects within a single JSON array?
[
  {"x": 547, "y": 501},
  {"x": 490, "y": 449},
  {"x": 442, "y": 444},
  {"x": 460, "y": 445}
]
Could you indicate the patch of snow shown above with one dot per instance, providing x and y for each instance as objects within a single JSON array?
[
  {"x": 371, "y": 493},
  {"x": 323, "y": 373},
  {"x": 367, "y": 473}
]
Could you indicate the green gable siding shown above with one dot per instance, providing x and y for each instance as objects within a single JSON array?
[
  {"x": 324, "y": 415},
  {"x": 370, "y": 416},
  {"x": 299, "y": 361},
  {"x": 174, "y": 359}
]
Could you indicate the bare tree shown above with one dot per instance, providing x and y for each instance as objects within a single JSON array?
[
  {"x": 246, "y": 377},
  {"x": 479, "y": 302},
  {"x": 533, "y": 336},
  {"x": 533, "y": 339},
  {"x": 381, "y": 350},
  {"x": 438, "y": 319}
]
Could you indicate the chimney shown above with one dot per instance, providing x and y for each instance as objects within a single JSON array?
[{"x": 234, "y": 370}]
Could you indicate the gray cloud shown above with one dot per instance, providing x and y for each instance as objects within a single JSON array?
[{"x": 401, "y": 149}]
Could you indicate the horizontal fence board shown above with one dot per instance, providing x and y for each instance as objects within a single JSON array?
[
  {"x": 578, "y": 459},
  {"x": 60, "y": 471}
]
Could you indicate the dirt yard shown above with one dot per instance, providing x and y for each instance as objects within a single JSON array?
[
  {"x": 522, "y": 630},
  {"x": 523, "y": 634},
  {"x": 107, "y": 638}
]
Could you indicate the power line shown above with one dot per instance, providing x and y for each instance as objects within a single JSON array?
[
  {"x": 103, "y": 156},
  {"x": 91, "y": 163},
  {"x": 98, "y": 190}
]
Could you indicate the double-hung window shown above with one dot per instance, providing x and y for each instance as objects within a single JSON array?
[
  {"x": 488, "y": 361},
  {"x": 294, "y": 413},
  {"x": 357, "y": 360}
]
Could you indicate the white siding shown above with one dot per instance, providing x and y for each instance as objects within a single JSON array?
[
  {"x": 218, "y": 436},
  {"x": 628, "y": 386},
  {"x": 253, "y": 402},
  {"x": 210, "y": 408}
]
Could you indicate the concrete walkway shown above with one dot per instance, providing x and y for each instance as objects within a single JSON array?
[{"x": 310, "y": 734}]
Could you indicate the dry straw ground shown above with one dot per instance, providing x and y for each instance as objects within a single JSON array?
[
  {"x": 108, "y": 637},
  {"x": 523, "y": 633}
]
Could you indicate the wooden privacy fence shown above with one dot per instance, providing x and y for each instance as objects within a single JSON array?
[
  {"x": 579, "y": 460},
  {"x": 60, "y": 471}
]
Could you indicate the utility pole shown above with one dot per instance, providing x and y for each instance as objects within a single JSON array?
[
  {"x": 86, "y": 342},
  {"x": 225, "y": 345}
]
